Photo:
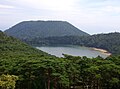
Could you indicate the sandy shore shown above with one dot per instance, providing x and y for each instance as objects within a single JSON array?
[{"x": 102, "y": 50}]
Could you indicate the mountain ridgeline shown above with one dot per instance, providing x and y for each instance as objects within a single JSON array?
[{"x": 43, "y": 29}]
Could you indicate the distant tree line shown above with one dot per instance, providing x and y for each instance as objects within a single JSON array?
[{"x": 110, "y": 42}]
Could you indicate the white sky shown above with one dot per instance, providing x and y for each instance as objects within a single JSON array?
[{"x": 91, "y": 16}]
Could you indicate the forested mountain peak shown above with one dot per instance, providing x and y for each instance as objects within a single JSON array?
[{"x": 42, "y": 29}]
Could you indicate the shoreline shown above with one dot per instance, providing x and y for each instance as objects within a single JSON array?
[{"x": 102, "y": 51}]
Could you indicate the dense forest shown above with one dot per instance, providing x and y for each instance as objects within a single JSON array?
[
  {"x": 24, "y": 67},
  {"x": 110, "y": 41}
]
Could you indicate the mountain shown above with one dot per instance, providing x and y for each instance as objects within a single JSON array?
[{"x": 43, "y": 29}]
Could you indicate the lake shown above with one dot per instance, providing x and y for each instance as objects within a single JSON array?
[{"x": 72, "y": 50}]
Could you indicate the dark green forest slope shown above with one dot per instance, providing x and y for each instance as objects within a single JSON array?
[
  {"x": 14, "y": 55},
  {"x": 38, "y": 70},
  {"x": 42, "y": 29},
  {"x": 8, "y": 44},
  {"x": 110, "y": 41}
]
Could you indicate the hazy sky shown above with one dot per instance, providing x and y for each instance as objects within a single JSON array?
[{"x": 92, "y": 16}]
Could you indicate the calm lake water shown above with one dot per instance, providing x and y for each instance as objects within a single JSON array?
[{"x": 71, "y": 50}]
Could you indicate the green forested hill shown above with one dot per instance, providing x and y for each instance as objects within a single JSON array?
[
  {"x": 110, "y": 42},
  {"x": 13, "y": 46},
  {"x": 14, "y": 56},
  {"x": 42, "y": 29}
]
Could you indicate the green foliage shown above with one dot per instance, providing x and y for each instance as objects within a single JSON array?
[
  {"x": 110, "y": 42},
  {"x": 8, "y": 81},
  {"x": 14, "y": 54}
]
